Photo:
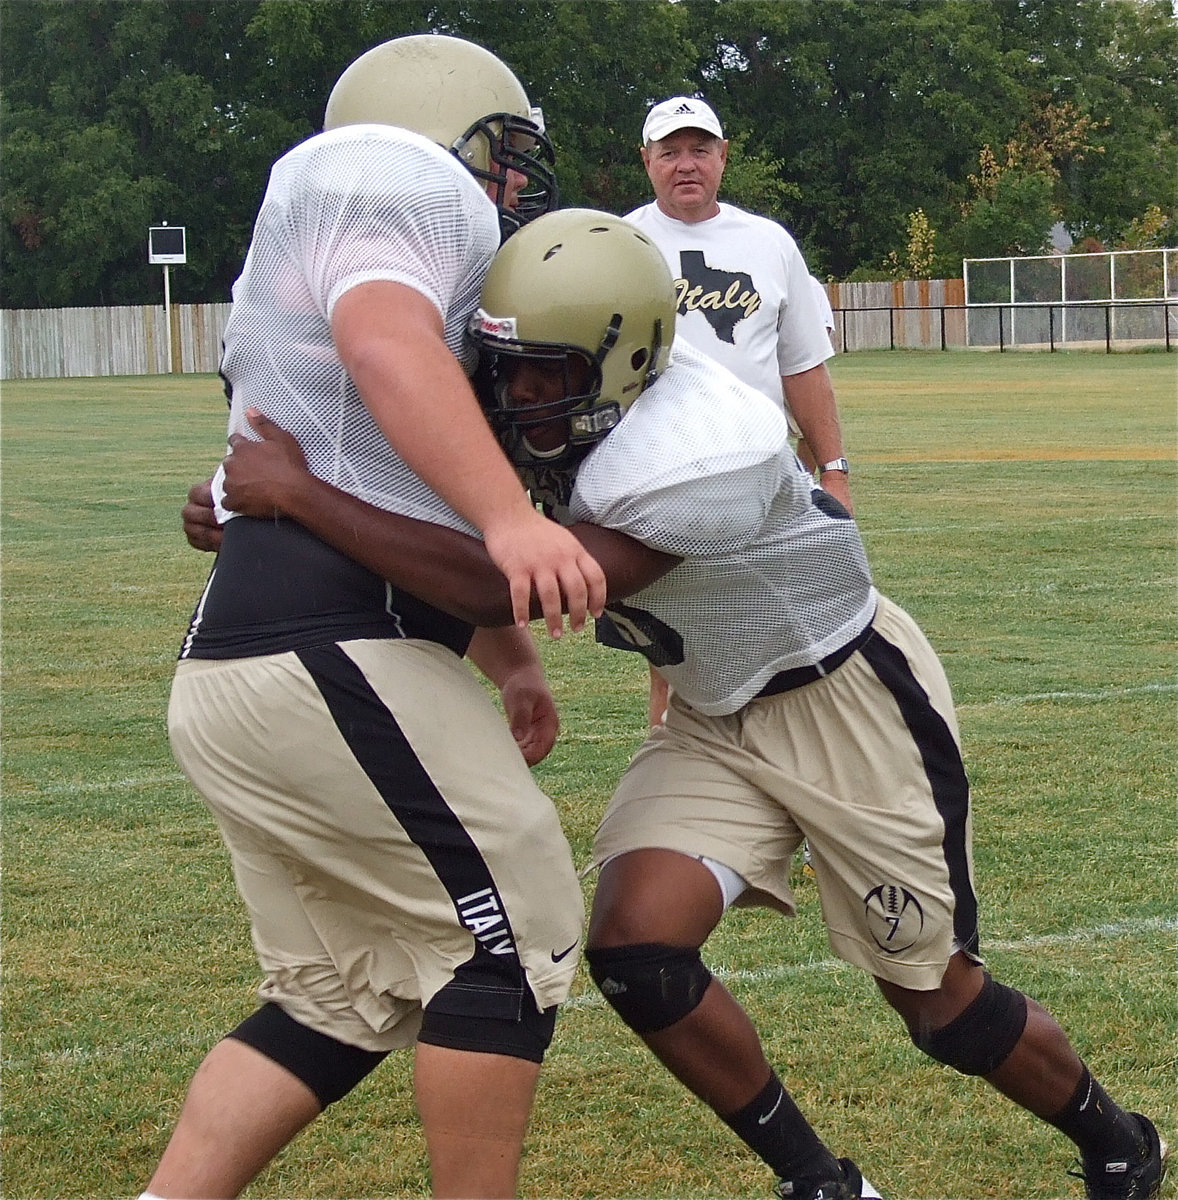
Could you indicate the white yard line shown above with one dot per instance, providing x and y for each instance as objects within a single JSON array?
[
  {"x": 1109, "y": 932},
  {"x": 198, "y": 1040}
]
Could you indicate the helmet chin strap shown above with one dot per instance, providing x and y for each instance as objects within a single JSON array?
[
  {"x": 613, "y": 332},
  {"x": 542, "y": 455},
  {"x": 656, "y": 344},
  {"x": 535, "y": 163}
]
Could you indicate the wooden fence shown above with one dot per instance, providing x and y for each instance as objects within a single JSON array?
[
  {"x": 66, "y": 343},
  {"x": 74, "y": 342},
  {"x": 914, "y": 314}
]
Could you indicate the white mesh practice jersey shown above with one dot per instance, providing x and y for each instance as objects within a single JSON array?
[
  {"x": 354, "y": 205},
  {"x": 773, "y": 575},
  {"x": 744, "y": 293}
]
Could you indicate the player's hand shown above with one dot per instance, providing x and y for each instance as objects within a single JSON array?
[
  {"x": 260, "y": 476},
  {"x": 531, "y": 714},
  {"x": 539, "y": 556},
  {"x": 200, "y": 520}
]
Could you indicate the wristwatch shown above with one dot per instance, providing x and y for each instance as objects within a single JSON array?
[{"x": 835, "y": 464}]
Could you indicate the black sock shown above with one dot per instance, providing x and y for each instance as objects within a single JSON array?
[
  {"x": 773, "y": 1126},
  {"x": 1100, "y": 1128}
]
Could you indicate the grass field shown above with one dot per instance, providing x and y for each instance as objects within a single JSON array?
[{"x": 1022, "y": 507}]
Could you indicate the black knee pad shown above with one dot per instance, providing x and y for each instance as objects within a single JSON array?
[
  {"x": 528, "y": 1037},
  {"x": 980, "y": 1039},
  {"x": 329, "y": 1067},
  {"x": 649, "y": 985}
]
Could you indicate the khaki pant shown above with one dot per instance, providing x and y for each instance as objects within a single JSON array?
[
  {"x": 865, "y": 764},
  {"x": 386, "y": 835}
]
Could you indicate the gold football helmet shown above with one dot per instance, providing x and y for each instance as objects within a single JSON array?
[
  {"x": 573, "y": 283},
  {"x": 461, "y": 96}
]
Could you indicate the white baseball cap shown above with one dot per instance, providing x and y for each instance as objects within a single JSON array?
[{"x": 680, "y": 112}]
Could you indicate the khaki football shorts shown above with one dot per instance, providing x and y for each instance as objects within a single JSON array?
[
  {"x": 386, "y": 836},
  {"x": 865, "y": 764}
]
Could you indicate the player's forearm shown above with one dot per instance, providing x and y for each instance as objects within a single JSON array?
[
  {"x": 443, "y": 567},
  {"x": 502, "y": 652},
  {"x": 390, "y": 340}
]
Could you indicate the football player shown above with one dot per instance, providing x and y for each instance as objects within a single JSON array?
[
  {"x": 385, "y": 866},
  {"x": 804, "y": 703}
]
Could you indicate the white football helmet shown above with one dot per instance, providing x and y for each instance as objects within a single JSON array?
[
  {"x": 461, "y": 96},
  {"x": 576, "y": 282}
]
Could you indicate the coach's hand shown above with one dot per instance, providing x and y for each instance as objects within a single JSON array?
[
  {"x": 838, "y": 485},
  {"x": 261, "y": 476},
  {"x": 199, "y": 519}
]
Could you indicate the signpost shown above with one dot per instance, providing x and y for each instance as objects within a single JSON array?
[{"x": 167, "y": 244}]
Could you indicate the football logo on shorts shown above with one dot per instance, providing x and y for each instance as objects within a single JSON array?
[{"x": 894, "y": 917}]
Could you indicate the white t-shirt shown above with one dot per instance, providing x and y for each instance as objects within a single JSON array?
[
  {"x": 774, "y": 575},
  {"x": 347, "y": 207},
  {"x": 744, "y": 291}
]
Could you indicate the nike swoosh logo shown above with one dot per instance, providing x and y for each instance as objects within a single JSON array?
[
  {"x": 769, "y": 1115},
  {"x": 564, "y": 953}
]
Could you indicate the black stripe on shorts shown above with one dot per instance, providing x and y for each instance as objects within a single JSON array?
[
  {"x": 490, "y": 983},
  {"x": 946, "y": 775}
]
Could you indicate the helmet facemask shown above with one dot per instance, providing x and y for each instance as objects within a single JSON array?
[
  {"x": 466, "y": 100},
  {"x": 557, "y": 431},
  {"x": 512, "y": 143}
]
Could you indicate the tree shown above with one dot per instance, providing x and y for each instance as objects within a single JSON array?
[
  {"x": 870, "y": 106},
  {"x": 1011, "y": 211},
  {"x": 846, "y": 117},
  {"x": 189, "y": 104},
  {"x": 873, "y": 107},
  {"x": 920, "y": 253},
  {"x": 81, "y": 205},
  {"x": 1136, "y": 92},
  {"x": 119, "y": 116},
  {"x": 1015, "y": 203},
  {"x": 595, "y": 68},
  {"x": 1150, "y": 231}
]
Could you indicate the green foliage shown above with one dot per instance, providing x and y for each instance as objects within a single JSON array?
[
  {"x": 757, "y": 182},
  {"x": 1013, "y": 217},
  {"x": 1152, "y": 230},
  {"x": 1134, "y": 91},
  {"x": 866, "y": 273},
  {"x": 595, "y": 68},
  {"x": 80, "y": 193},
  {"x": 920, "y": 252},
  {"x": 1015, "y": 202},
  {"x": 124, "y": 115},
  {"x": 848, "y": 116},
  {"x": 871, "y": 106}
]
